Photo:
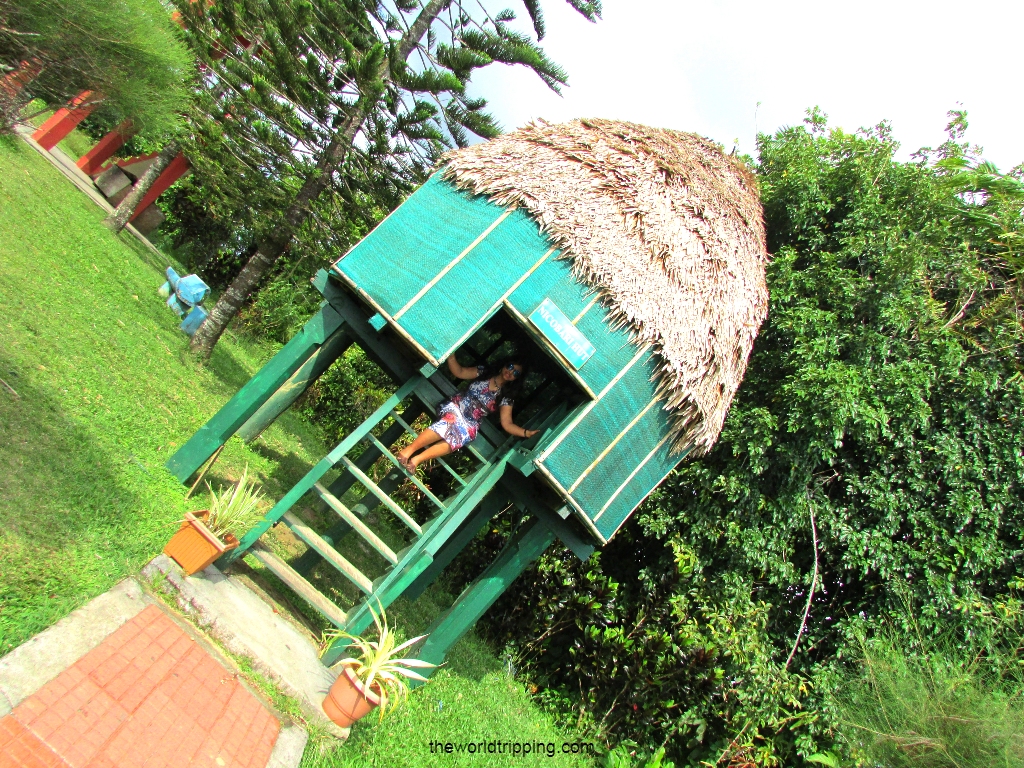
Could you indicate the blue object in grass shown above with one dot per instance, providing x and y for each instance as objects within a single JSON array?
[
  {"x": 193, "y": 320},
  {"x": 184, "y": 297},
  {"x": 191, "y": 290}
]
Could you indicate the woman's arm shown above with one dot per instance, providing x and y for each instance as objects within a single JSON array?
[
  {"x": 461, "y": 371},
  {"x": 514, "y": 429}
]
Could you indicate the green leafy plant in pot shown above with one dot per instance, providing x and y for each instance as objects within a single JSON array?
[
  {"x": 209, "y": 533},
  {"x": 375, "y": 677}
]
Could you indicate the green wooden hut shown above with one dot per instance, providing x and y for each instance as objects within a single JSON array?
[{"x": 625, "y": 262}]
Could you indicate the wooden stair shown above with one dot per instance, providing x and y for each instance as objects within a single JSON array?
[
  {"x": 299, "y": 585},
  {"x": 401, "y": 568}
]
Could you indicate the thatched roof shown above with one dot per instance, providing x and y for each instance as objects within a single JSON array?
[{"x": 665, "y": 226}]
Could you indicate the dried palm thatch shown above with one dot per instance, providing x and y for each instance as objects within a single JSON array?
[{"x": 664, "y": 226}]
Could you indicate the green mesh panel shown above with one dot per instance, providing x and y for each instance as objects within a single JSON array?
[
  {"x": 601, "y": 426},
  {"x": 410, "y": 247},
  {"x": 466, "y": 295},
  {"x": 615, "y": 350},
  {"x": 603, "y": 483},
  {"x": 645, "y": 481}
]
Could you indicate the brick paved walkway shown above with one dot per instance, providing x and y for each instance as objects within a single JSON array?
[{"x": 148, "y": 696}]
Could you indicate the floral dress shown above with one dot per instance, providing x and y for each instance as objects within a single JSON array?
[{"x": 461, "y": 416}]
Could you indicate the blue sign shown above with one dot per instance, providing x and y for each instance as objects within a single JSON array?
[{"x": 559, "y": 330}]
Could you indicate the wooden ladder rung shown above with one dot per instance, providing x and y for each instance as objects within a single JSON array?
[
  {"x": 405, "y": 425},
  {"x": 328, "y": 553},
  {"x": 415, "y": 480},
  {"x": 386, "y": 500},
  {"x": 358, "y": 525},
  {"x": 299, "y": 585}
]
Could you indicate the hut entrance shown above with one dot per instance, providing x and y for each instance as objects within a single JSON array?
[{"x": 547, "y": 386}]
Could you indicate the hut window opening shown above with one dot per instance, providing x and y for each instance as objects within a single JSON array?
[{"x": 546, "y": 387}]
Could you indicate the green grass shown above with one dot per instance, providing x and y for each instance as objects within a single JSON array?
[
  {"x": 105, "y": 393},
  {"x": 917, "y": 703}
]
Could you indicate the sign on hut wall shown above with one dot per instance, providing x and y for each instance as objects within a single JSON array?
[{"x": 559, "y": 330}]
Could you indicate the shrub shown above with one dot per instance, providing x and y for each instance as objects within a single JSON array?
[
  {"x": 126, "y": 50},
  {"x": 279, "y": 310},
  {"x": 876, "y": 401}
]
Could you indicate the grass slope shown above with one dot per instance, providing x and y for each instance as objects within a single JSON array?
[{"x": 105, "y": 392}]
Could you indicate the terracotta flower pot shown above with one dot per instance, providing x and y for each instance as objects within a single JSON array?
[
  {"x": 348, "y": 700},
  {"x": 194, "y": 547}
]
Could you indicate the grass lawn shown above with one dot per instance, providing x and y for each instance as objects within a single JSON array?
[{"x": 105, "y": 392}]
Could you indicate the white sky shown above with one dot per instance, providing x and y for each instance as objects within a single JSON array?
[{"x": 703, "y": 67}]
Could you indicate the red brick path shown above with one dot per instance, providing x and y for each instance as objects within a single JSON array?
[{"x": 147, "y": 697}]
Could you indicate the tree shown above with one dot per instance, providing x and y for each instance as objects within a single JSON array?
[
  {"x": 118, "y": 218},
  {"x": 873, "y": 443},
  {"x": 129, "y": 53},
  {"x": 320, "y": 74}
]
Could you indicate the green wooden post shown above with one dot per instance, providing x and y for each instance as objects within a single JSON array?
[
  {"x": 214, "y": 433},
  {"x": 289, "y": 392},
  {"x": 488, "y": 508},
  {"x": 526, "y": 545}
]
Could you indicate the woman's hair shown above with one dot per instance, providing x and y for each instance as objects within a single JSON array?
[{"x": 508, "y": 389}]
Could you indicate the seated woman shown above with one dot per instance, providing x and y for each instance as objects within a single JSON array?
[{"x": 461, "y": 416}]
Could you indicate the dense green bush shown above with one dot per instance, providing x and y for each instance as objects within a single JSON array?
[
  {"x": 875, "y": 441},
  {"x": 280, "y": 309},
  {"x": 350, "y": 390}
]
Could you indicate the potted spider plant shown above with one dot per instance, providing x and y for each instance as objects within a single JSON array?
[
  {"x": 375, "y": 677},
  {"x": 207, "y": 534}
]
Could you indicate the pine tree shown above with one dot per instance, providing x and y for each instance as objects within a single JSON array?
[{"x": 316, "y": 75}]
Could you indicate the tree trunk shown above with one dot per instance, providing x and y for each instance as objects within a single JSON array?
[
  {"x": 117, "y": 220},
  {"x": 204, "y": 339}
]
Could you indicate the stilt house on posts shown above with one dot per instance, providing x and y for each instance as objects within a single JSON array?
[{"x": 626, "y": 263}]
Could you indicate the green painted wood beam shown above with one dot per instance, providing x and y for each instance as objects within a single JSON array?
[
  {"x": 301, "y": 488},
  {"x": 565, "y": 528},
  {"x": 387, "y": 356},
  {"x": 523, "y": 548},
  {"x": 299, "y": 381},
  {"x": 214, "y": 433},
  {"x": 487, "y": 509}
]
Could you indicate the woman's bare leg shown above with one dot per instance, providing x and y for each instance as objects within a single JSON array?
[
  {"x": 423, "y": 439},
  {"x": 435, "y": 451}
]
